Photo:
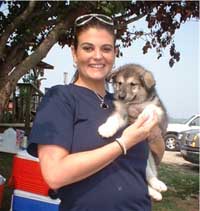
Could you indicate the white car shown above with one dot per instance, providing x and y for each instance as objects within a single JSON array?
[{"x": 173, "y": 129}]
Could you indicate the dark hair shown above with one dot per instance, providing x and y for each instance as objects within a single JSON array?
[{"x": 93, "y": 23}]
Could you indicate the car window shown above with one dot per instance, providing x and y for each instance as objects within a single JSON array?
[
  {"x": 188, "y": 120},
  {"x": 195, "y": 122}
]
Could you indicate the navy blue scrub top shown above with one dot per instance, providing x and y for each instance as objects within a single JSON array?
[{"x": 69, "y": 116}]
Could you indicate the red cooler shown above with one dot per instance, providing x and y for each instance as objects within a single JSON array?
[{"x": 26, "y": 174}]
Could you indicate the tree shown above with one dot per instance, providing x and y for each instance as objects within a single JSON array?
[{"x": 29, "y": 29}]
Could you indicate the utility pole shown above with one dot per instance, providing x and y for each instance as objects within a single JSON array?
[{"x": 65, "y": 77}]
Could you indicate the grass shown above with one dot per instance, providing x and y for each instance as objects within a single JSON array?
[
  {"x": 5, "y": 171},
  {"x": 183, "y": 189},
  {"x": 182, "y": 194}
]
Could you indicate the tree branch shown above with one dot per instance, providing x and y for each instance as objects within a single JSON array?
[
  {"x": 130, "y": 20},
  {"x": 13, "y": 25},
  {"x": 133, "y": 19},
  {"x": 32, "y": 60}
]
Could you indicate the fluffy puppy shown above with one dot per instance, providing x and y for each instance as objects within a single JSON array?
[{"x": 134, "y": 93}]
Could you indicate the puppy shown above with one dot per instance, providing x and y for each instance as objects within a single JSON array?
[{"x": 134, "y": 92}]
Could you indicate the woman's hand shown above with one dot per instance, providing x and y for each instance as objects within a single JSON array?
[{"x": 139, "y": 130}]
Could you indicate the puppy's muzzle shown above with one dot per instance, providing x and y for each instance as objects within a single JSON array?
[{"x": 121, "y": 97}]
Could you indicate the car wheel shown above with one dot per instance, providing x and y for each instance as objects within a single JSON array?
[{"x": 170, "y": 142}]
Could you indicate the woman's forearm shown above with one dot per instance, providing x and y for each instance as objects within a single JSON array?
[{"x": 60, "y": 168}]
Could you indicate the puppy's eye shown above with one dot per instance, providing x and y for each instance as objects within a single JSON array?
[
  {"x": 133, "y": 84},
  {"x": 118, "y": 83}
]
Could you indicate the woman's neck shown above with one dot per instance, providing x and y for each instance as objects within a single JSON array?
[{"x": 96, "y": 86}]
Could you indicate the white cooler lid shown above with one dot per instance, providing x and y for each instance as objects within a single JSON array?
[
  {"x": 34, "y": 196},
  {"x": 25, "y": 155}
]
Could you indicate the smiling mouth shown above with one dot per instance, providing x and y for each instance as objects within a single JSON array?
[{"x": 97, "y": 66}]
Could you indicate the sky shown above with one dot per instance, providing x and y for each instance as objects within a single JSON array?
[{"x": 178, "y": 87}]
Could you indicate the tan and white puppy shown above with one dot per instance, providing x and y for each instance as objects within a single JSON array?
[{"x": 135, "y": 93}]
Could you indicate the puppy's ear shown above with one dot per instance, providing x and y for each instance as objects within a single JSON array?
[
  {"x": 148, "y": 80},
  {"x": 111, "y": 76}
]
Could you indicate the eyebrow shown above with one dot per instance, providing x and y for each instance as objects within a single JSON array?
[{"x": 87, "y": 43}]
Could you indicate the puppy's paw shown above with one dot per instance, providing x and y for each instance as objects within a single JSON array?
[
  {"x": 157, "y": 184},
  {"x": 154, "y": 194},
  {"x": 150, "y": 109},
  {"x": 111, "y": 126},
  {"x": 107, "y": 130}
]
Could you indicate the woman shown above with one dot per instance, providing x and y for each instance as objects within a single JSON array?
[{"x": 91, "y": 173}]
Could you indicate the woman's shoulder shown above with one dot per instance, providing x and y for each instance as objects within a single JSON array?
[
  {"x": 59, "y": 95},
  {"x": 60, "y": 90}
]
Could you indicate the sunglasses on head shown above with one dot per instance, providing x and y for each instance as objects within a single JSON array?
[{"x": 81, "y": 20}]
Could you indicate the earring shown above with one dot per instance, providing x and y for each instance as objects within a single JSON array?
[
  {"x": 113, "y": 67},
  {"x": 75, "y": 65}
]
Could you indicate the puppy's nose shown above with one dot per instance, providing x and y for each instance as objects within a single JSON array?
[{"x": 122, "y": 97}]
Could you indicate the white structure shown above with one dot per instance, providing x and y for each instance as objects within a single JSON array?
[{"x": 8, "y": 141}]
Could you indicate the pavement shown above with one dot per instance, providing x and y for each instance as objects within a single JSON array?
[{"x": 176, "y": 159}]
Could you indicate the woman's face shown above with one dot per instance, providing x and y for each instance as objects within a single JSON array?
[{"x": 95, "y": 54}]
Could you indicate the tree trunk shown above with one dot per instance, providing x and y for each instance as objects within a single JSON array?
[
  {"x": 5, "y": 93},
  {"x": 9, "y": 81}
]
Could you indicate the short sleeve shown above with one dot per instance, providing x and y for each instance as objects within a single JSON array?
[{"x": 53, "y": 123}]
